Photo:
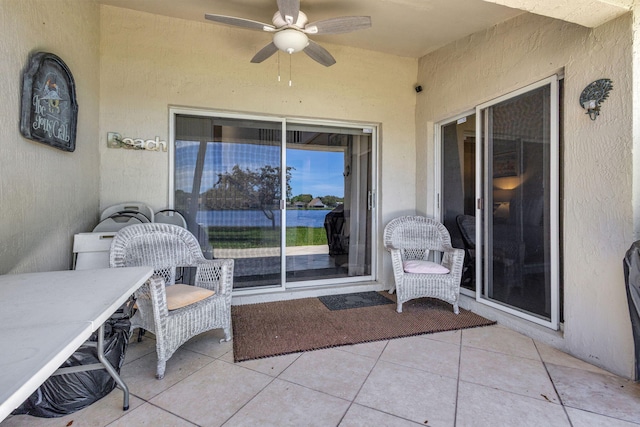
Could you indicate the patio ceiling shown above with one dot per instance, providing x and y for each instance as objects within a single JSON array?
[{"x": 409, "y": 28}]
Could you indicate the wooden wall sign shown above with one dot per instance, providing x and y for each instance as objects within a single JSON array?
[{"x": 49, "y": 108}]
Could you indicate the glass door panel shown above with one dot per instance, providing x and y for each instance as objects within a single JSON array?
[
  {"x": 328, "y": 215},
  {"x": 227, "y": 181},
  {"x": 458, "y": 206},
  {"x": 519, "y": 142}
]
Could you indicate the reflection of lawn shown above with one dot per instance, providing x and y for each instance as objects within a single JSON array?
[{"x": 253, "y": 237}]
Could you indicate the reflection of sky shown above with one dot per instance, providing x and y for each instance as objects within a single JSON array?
[
  {"x": 318, "y": 173},
  {"x": 315, "y": 172}
]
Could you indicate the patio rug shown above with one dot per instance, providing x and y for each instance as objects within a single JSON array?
[{"x": 283, "y": 327}]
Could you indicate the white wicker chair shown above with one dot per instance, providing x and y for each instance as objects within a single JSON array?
[
  {"x": 411, "y": 238},
  {"x": 165, "y": 247}
]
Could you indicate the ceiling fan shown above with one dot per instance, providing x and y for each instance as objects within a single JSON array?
[{"x": 290, "y": 29}]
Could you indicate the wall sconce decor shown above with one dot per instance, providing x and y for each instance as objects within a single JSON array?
[{"x": 593, "y": 95}]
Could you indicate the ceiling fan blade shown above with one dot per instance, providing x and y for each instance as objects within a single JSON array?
[
  {"x": 264, "y": 53},
  {"x": 344, "y": 24},
  {"x": 319, "y": 54},
  {"x": 289, "y": 9},
  {"x": 239, "y": 22}
]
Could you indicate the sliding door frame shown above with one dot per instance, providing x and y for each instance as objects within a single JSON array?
[
  {"x": 439, "y": 156},
  {"x": 366, "y": 128},
  {"x": 482, "y": 182}
]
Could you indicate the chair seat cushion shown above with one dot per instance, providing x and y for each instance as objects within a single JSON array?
[
  {"x": 424, "y": 267},
  {"x": 179, "y": 295}
]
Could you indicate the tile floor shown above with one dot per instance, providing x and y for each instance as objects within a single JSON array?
[{"x": 487, "y": 376}]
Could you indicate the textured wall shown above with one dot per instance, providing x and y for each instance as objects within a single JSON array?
[
  {"x": 46, "y": 194},
  {"x": 149, "y": 62},
  {"x": 598, "y": 218}
]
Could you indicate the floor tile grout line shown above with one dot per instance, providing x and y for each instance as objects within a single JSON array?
[
  {"x": 126, "y": 362},
  {"x": 248, "y": 401},
  {"x": 162, "y": 409},
  {"x": 238, "y": 364},
  {"x": 565, "y": 405},
  {"x": 273, "y": 379},
  {"x": 419, "y": 369},
  {"x": 130, "y": 410},
  {"x": 602, "y": 415},
  {"x": 500, "y": 352},
  {"x": 379, "y": 359},
  {"x": 384, "y": 412},
  {"x": 512, "y": 392},
  {"x": 553, "y": 384},
  {"x": 455, "y": 412},
  {"x": 178, "y": 382},
  {"x": 313, "y": 389},
  {"x": 355, "y": 396},
  {"x": 539, "y": 359}
]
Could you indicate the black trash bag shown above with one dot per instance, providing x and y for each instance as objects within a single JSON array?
[
  {"x": 632, "y": 281},
  {"x": 65, "y": 394}
]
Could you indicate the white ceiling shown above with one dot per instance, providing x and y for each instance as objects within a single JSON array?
[{"x": 409, "y": 28}]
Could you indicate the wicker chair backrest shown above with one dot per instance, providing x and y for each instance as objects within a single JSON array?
[
  {"x": 416, "y": 234},
  {"x": 161, "y": 246}
]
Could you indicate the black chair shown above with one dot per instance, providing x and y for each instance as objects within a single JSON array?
[{"x": 467, "y": 227}]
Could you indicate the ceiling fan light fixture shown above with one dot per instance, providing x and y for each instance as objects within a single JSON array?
[{"x": 290, "y": 40}]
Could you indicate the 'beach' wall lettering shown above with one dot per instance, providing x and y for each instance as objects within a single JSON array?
[{"x": 115, "y": 140}]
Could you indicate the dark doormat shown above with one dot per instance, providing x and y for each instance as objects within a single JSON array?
[{"x": 357, "y": 300}]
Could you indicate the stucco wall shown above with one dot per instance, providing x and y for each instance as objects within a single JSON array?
[
  {"x": 47, "y": 194},
  {"x": 598, "y": 218},
  {"x": 149, "y": 62}
]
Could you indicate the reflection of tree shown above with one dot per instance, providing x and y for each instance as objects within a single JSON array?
[
  {"x": 248, "y": 189},
  {"x": 332, "y": 201}
]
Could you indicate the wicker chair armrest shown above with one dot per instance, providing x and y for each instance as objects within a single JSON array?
[
  {"x": 396, "y": 264},
  {"x": 151, "y": 300},
  {"x": 390, "y": 247},
  {"x": 215, "y": 274},
  {"x": 453, "y": 259}
]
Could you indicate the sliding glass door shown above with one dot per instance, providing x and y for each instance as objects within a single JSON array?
[
  {"x": 500, "y": 192},
  {"x": 308, "y": 223}
]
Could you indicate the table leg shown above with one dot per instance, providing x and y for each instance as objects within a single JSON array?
[{"x": 110, "y": 369}]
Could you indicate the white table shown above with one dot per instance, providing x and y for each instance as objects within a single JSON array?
[{"x": 46, "y": 317}]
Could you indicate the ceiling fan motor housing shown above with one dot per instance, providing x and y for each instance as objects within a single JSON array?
[{"x": 279, "y": 22}]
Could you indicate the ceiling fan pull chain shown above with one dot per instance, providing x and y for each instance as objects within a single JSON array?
[
  {"x": 289, "y": 70},
  {"x": 278, "y": 65}
]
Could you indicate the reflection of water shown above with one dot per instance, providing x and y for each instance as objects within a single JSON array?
[{"x": 253, "y": 218}]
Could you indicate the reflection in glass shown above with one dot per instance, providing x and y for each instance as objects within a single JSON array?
[
  {"x": 518, "y": 194},
  {"x": 228, "y": 183}
]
